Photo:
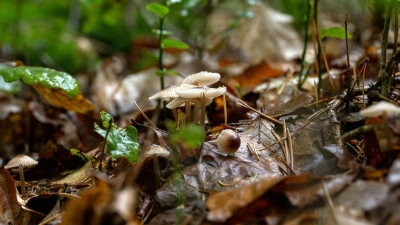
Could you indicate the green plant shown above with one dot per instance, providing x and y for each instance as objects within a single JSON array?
[
  {"x": 386, "y": 77},
  {"x": 162, "y": 11},
  {"x": 121, "y": 142},
  {"x": 192, "y": 136}
]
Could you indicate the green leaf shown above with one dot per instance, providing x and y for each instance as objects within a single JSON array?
[
  {"x": 105, "y": 117},
  {"x": 172, "y": 72},
  {"x": 80, "y": 154},
  {"x": 190, "y": 134},
  {"x": 120, "y": 142},
  {"x": 334, "y": 32},
  {"x": 37, "y": 75},
  {"x": 158, "y": 9},
  {"x": 169, "y": 43}
]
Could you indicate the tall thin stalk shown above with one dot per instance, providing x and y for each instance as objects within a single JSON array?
[
  {"x": 319, "y": 68},
  {"x": 396, "y": 27},
  {"x": 306, "y": 37},
  {"x": 161, "y": 51},
  {"x": 385, "y": 78}
]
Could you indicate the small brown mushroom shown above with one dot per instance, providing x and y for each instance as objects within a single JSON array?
[
  {"x": 228, "y": 142},
  {"x": 21, "y": 161}
]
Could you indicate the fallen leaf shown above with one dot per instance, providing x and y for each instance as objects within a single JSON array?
[{"x": 10, "y": 210}]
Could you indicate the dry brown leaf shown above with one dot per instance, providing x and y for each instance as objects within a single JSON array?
[
  {"x": 223, "y": 205},
  {"x": 257, "y": 74},
  {"x": 59, "y": 98},
  {"x": 10, "y": 210}
]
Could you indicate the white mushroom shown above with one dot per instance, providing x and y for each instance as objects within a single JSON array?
[
  {"x": 202, "y": 94},
  {"x": 156, "y": 150},
  {"x": 166, "y": 94},
  {"x": 379, "y": 109},
  {"x": 202, "y": 79},
  {"x": 21, "y": 161}
]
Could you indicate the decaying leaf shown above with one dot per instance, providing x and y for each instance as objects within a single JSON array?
[
  {"x": 279, "y": 197},
  {"x": 224, "y": 205},
  {"x": 11, "y": 211},
  {"x": 58, "y": 98}
]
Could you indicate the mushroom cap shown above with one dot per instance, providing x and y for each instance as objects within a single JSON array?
[
  {"x": 228, "y": 141},
  {"x": 156, "y": 150},
  {"x": 201, "y": 79},
  {"x": 185, "y": 92},
  {"x": 21, "y": 159},
  {"x": 166, "y": 94},
  {"x": 379, "y": 108},
  {"x": 182, "y": 101}
]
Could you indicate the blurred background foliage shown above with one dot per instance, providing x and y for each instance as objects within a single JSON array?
[{"x": 73, "y": 35}]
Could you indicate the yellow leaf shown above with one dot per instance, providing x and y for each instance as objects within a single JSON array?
[{"x": 59, "y": 98}]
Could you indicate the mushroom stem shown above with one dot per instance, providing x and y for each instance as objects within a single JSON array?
[
  {"x": 203, "y": 110},
  {"x": 22, "y": 180},
  {"x": 225, "y": 111},
  {"x": 188, "y": 109}
]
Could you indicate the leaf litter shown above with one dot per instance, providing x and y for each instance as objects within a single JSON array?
[{"x": 299, "y": 161}]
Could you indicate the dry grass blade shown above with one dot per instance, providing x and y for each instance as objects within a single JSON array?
[
  {"x": 290, "y": 148},
  {"x": 144, "y": 115},
  {"x": 253, "y": 150}
]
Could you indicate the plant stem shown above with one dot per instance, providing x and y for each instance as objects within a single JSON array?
[
  {"x": 319, "y": 48},
  {"x": 396, "y": 27},
  {"x": 348, "y": 69},
  {"x": 385, "y": 77},
  {"x": 306, "y": 36},
  {"x": 161, "y": 51}
]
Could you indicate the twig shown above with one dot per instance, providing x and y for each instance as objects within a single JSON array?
[
  {"x": 51, "y": 218},
  {"x": 144, "y": 115},
  {"x": 309, "y": 120},
  {"x": 290, "y": 148},
  {"x": 258, "y": 112}
]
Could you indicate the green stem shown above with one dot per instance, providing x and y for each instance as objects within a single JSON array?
[
  {"x": 306, "y": 36},
  {"x": 347, "y": 101},
  {"x": 161, "y": 51},
  {"x": 396, "y": 27},
  {"x": 319, "y": 48},
  {"x": 385, "y": 77}
]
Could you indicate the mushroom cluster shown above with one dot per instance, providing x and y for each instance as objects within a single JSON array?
[{"x": 193, "y": 90}]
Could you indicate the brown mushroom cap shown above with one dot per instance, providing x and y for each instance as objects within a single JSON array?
[
  {"x": 21, "y": 159},
  {"x": 228, "y": 141},
  {"x": 201, "y": 79}
]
